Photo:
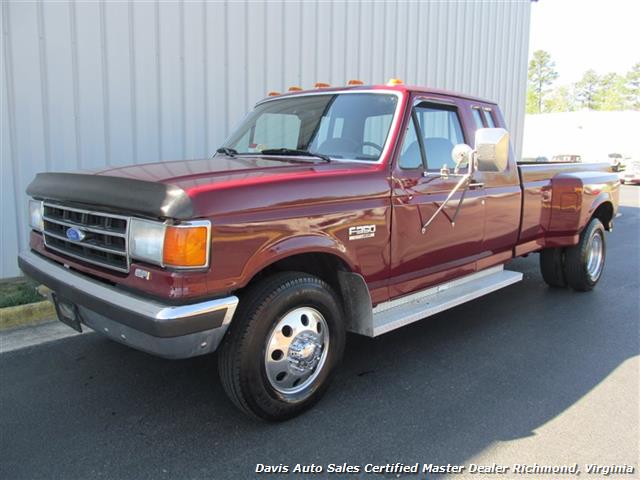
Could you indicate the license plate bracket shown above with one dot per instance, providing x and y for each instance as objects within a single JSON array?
[{"x": 67, "y": 312}]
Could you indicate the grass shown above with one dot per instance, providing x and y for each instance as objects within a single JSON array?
[{"x": 18, "y": 292}]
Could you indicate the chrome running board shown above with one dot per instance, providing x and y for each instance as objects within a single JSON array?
[{"x": 416, "y": 306}]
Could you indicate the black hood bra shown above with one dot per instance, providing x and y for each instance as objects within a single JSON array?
[{"x": 151, "y": 199}]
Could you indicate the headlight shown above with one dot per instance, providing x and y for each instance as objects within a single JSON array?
[
  {"x": 180, "y": 246},
  {"x": 35, "y": 215},
  {"x": 146, "y": 240}
]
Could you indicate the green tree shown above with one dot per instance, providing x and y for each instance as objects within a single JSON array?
[
  {"x": 611, "y": 93},
  {"x": 632, "y": 86},
  {"x": 532, "y": 101},
  {"x": 541, "y": 75},
  {"x": 586, "y": 90},
  {"x": 560, "y": 100}
]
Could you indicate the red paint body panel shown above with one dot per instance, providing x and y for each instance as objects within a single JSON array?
[{"x": 264, "y": 209}]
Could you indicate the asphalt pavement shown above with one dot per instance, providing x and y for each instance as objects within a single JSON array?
[{"x": 527, "y": 374}]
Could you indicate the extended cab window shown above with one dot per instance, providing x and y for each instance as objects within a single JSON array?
[
  {"x": 477, "y": 118},
  {"x": 348, "y": 126},
  {"x": 489, "y": 119},
  {"x": 441, "y": 131}
]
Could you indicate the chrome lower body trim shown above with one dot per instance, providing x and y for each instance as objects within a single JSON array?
[
  {"x": 184, "y": 346},
  {"x": 408, "y": 309},
  {"x": 147, "y": 324}
]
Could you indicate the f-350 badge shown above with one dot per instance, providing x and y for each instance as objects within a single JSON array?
[{"x": 362, "y": 231}]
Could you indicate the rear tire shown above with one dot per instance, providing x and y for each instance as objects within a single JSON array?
[
  {"x": 552, "y": 267},
  {"x": 584, "y": 262},
  {"x": 282, "y": 346}
]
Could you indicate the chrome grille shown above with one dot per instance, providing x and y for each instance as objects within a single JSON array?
[{"x": 106, "y": 240}]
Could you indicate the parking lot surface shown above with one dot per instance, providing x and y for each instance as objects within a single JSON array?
[{"x": 527, "y": 374}]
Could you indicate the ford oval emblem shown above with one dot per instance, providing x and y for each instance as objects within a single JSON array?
[{"x": 75, "y": 235}]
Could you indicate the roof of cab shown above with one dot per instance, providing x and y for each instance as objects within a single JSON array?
[{"x": 400, "y": 88}]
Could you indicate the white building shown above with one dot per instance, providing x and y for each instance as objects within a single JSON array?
[
  {"x": 592, "y": 135},
  {"x": 91, "y": 84}
]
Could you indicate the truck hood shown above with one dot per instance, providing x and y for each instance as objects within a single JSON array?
[
  {"x": 226, "y": 172},
  {"x": 195, "y": 188}
]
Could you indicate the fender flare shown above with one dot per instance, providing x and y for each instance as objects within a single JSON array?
[
  {"x": 353, "y": 287},
  {"x": 600, "y": 200},
  {"x": 291, "y": 246}
]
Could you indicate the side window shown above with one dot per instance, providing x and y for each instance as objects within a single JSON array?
[
  {"x": 441, "y": 131},
  {"x": 410, "y": 156},
  {"x": 489, "y": 119},
  {"x": 477, "y": 117},
  {"x": 274, "y": 130}
]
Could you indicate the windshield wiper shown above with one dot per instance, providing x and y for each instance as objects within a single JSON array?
[
  {"x": 227, "y": 151},
  {"x": 293, "y": 151}
]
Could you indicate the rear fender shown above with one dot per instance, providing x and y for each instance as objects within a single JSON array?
[{"x": 575, "y": 198}]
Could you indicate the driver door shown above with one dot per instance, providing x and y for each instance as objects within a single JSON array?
[{"x": 447, "y": 249}]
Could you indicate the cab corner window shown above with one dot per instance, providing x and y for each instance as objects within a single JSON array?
[{"x": 410, "y": 156}]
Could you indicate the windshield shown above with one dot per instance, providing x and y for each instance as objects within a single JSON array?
[{"x": 348, "y": 126}]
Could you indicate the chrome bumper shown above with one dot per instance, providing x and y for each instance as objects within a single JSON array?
[{"x": 170, "y": 331}]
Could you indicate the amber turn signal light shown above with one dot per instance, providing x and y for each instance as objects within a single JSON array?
[{"x": 186, "y": 246}]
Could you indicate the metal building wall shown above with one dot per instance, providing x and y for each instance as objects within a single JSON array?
[{"x": 92, "y": 84}]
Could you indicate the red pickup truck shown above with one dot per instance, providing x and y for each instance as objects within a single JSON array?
[{"x": 334, "y": 210}]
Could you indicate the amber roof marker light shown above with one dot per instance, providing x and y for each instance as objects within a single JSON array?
[
  {"x": 394, "y": 81},
  {"x": 355, "y": 82},
  {"x": 295, "y": 88},
  {"x": 321, "y": 85},
  {"x": 273, "y": 94}
]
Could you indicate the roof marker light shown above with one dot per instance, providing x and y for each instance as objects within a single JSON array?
[
  {"x": 273, "y": 94},
  {"x": 355, "y": 82},
  {"x": 321, "y": 85},
  {"x": 394, "y": 81},
  {"x": 295, "y": 88}
]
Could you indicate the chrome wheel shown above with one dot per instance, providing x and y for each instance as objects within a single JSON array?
[
  {"x": 296, "y": 350},
  {"x": 595, "y": 257}
]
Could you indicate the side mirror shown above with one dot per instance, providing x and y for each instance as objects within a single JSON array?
[
  {"x": 492, "y": 149},
  {"x": 462, "y": 156}
]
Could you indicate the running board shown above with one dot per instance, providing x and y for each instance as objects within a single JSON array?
[{"x": 416, "y": 306}]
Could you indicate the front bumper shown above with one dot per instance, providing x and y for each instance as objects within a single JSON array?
[{"x": 170, "y": 331}]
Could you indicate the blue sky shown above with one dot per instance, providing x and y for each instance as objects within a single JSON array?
[{"x": 581, "y": 34}]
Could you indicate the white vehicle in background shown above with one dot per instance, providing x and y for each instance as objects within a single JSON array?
[
  {"x": 631, "y": 173},
  {"x": 570, "y": 158}
]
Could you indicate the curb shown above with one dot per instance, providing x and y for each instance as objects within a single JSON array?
[{"x": 26, "y": 315}]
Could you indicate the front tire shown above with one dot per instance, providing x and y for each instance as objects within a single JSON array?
[
  {"x": 584, "y": 262},
  {"x": 282, "y": 346}
]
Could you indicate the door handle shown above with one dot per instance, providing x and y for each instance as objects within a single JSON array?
[
  {"x": 475, "y": 185},
  {"x": 405, "y": 199}
]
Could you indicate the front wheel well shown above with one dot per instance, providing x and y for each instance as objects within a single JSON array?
[
  {"x": 350, "y": 286},
  {"x": 323, "y": 265},
  {"x": 604, "y": 213}
]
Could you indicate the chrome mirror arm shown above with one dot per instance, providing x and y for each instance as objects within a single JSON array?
[{"x": 463, "y": 179}]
